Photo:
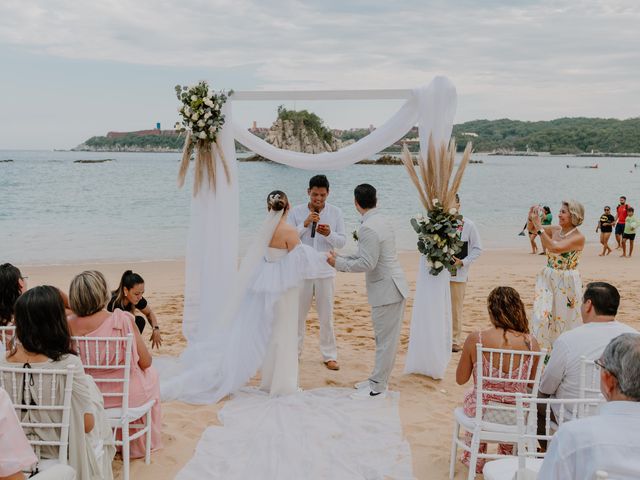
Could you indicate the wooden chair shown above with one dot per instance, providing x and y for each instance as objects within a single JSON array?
[
  {"x": 31, "y": 408},
  {"x": 589, "y": 386},
  {"x": 529, "y": 459},
  {"x": 6, "y": 336},
  {"x": 114, "y": 354},
  {"x": 494, "y": 422}
]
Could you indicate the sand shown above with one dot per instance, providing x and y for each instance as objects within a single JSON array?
[{"x": 426, "y": 405}]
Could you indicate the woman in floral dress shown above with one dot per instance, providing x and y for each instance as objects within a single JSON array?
[{"x": 558, "y": 292}]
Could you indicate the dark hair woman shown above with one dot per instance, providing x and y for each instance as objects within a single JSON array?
[
  {"x": 12, "y": 284},
  {"x": 509, "y": 330},
  {"x": 44, "y": 342},
  {"x": 129, "y": 297}
]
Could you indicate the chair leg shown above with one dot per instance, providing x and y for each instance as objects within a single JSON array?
[
  {"x": 147, "y": 454},
  {"x": 125, "y": 451},
  {"x": 454, "y": 449},
  {"x": 475, "y": 450}
]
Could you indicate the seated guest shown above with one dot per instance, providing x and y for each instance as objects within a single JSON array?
[
  {"x": 89, "y": 295},
  {"x": 561, "y": 376},
  {"x": 11, "y": 287},
  {"x": 608, "y": 441},
  {"x": 129, "y": 297},
  {"x": 44, "y": 342},
  {"x": 509, "y": 330}
]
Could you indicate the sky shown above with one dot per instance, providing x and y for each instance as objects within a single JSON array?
[{"x": 72, "y": 69}]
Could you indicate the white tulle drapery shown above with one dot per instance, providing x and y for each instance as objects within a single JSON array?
[
  {"x": 314, "y": 435},
  {"x": 212, "y": 247}
]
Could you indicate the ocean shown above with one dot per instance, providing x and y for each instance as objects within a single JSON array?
[{"x": 53, "y": 210}]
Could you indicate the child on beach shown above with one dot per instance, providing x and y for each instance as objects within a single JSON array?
[{"x": 631, "y": 225}]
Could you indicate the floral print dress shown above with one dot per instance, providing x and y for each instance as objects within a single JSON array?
[{"x": 557, "y": 298}]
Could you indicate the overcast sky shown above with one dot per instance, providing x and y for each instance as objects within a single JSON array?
[{"x": 72, "y": 69}]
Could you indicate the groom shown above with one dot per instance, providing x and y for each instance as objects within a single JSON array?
[{"x": 387, "y": 287}]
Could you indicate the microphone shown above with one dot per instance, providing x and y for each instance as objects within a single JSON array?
[{"x": 314, "y": 225}]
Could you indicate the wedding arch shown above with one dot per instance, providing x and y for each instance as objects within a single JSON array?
[{"x": 212, "y": 244}]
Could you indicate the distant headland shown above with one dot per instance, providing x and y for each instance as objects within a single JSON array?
[{"x": 305, "y": 131}]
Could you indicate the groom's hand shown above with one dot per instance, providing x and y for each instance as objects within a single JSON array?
[
  {"x": 313, "y": 217},
  {"x": 331, "y": 258}
]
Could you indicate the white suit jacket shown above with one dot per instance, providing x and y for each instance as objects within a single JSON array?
[{"x": 376, "y": 256}]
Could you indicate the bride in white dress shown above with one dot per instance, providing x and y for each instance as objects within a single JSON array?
[{"x": 260, "y": 324}]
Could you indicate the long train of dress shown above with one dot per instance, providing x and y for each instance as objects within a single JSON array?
[{"x": 316, "y": 434}]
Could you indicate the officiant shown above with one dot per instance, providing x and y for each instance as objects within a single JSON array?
[{"x": 471, "y": 250}]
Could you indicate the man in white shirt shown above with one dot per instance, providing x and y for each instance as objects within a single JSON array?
[
  {"x": 321, "y": 226},
  {"x": 470, "y": 253},
  {"x": 608, "y": 441},
  {"x": 561, "y": 376}
]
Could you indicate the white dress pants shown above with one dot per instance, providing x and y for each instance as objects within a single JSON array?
[{"x": 323, "y": 290}]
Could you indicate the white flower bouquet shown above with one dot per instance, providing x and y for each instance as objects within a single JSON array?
[
  {"x": 438, "y": 232},
  {"x": 201, "y": 120},
  {"x": 438, "y": 237}
]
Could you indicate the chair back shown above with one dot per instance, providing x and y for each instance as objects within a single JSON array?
[
  {"x": 503, "y": 386},
  {"x": 565, "y": 409},
  {"x": 6, "y": 336},
  {"x": 589, "y": 386},
  {"x": 108, "y": 361},
  {"x": 42, "y": 400}
]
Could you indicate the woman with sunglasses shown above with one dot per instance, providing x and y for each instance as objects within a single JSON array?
[{"x": 605, "y": 226}]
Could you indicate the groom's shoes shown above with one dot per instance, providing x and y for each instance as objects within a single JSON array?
[
  {"x": 362, "y": 384},
  {"x": 367, "y": 393}
]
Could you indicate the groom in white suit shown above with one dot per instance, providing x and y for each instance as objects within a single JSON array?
[{"x": 387, "y": 288}]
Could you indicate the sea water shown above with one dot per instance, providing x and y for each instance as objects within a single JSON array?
[{"x": 53, "y": 210}]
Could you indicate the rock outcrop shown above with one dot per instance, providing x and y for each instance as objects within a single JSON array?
[{"x": 294, "y": 135}]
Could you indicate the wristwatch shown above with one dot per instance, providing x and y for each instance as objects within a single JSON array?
[
  {"x": 539, "y": 232},
  {"x": 157, "y": 327}
]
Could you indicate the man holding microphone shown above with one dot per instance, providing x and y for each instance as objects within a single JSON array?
[{"x": 321, "y": 226}]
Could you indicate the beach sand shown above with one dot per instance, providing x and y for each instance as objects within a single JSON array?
[{"x": 426, "y": 405}]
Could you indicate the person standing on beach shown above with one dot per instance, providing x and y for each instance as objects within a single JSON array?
[
  {"x": 320, "y": 225},
  {"x": 621, "y": 217},
  {"x": 547, "y": 220},
  {"x": 558, "y": 290},
  {"x": 471, "y": 250},
  {"x": 387, "y": 288},
  {"x": 605, "y": 225},
  {"x": 630, "y": 228}
]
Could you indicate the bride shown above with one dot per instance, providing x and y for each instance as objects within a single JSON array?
[{"x": 260, "y": 329}]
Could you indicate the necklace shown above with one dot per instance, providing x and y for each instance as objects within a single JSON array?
[{"x": 564, "y": 235}]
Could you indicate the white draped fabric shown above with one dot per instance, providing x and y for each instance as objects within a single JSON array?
[
  {"x": 430, "y": 335},
  {"x": 316, "y": 435},
  {"x": 212, "y": 248}
]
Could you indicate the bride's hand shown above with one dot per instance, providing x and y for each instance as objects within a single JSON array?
[{"x": 331, "y": 258}]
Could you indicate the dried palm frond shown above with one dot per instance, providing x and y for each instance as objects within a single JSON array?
[
  {"x": 457, "y": 179},
  {"x": 407, "y": 160},
  {"x": 436, "y": 169},
  {"x": 186, "y": 158}
]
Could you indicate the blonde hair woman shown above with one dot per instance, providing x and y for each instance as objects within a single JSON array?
[
  {"x": 557, "y": 300},
  {"x": 89, "y": 295}
]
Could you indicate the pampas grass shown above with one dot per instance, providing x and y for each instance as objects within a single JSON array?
[{"x": 434, "y": 182}]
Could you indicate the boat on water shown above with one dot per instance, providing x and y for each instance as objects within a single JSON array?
[{"x": 595, "y": 165}]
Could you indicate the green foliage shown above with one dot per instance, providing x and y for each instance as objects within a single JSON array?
[
  {"x": 438, "y": 238},
  {"x": 306, "y": 119},
  {"x": 563, "y": 135},
  {"x": 131, "y": 141}
]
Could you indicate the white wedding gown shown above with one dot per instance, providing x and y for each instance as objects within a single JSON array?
[
  {"x": 280, "y": 365},
  {"x": 263, "y": 333}
]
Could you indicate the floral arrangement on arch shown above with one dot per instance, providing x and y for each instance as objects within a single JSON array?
[
  {"x": 439, "y": 230},
  {"x": 201, "y": 120}
]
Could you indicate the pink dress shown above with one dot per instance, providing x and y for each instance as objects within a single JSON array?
[
  {"x": 469, "y": 404},
  {"x": 15, "y": 452},
  {"x": 144, "y": 385}
]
